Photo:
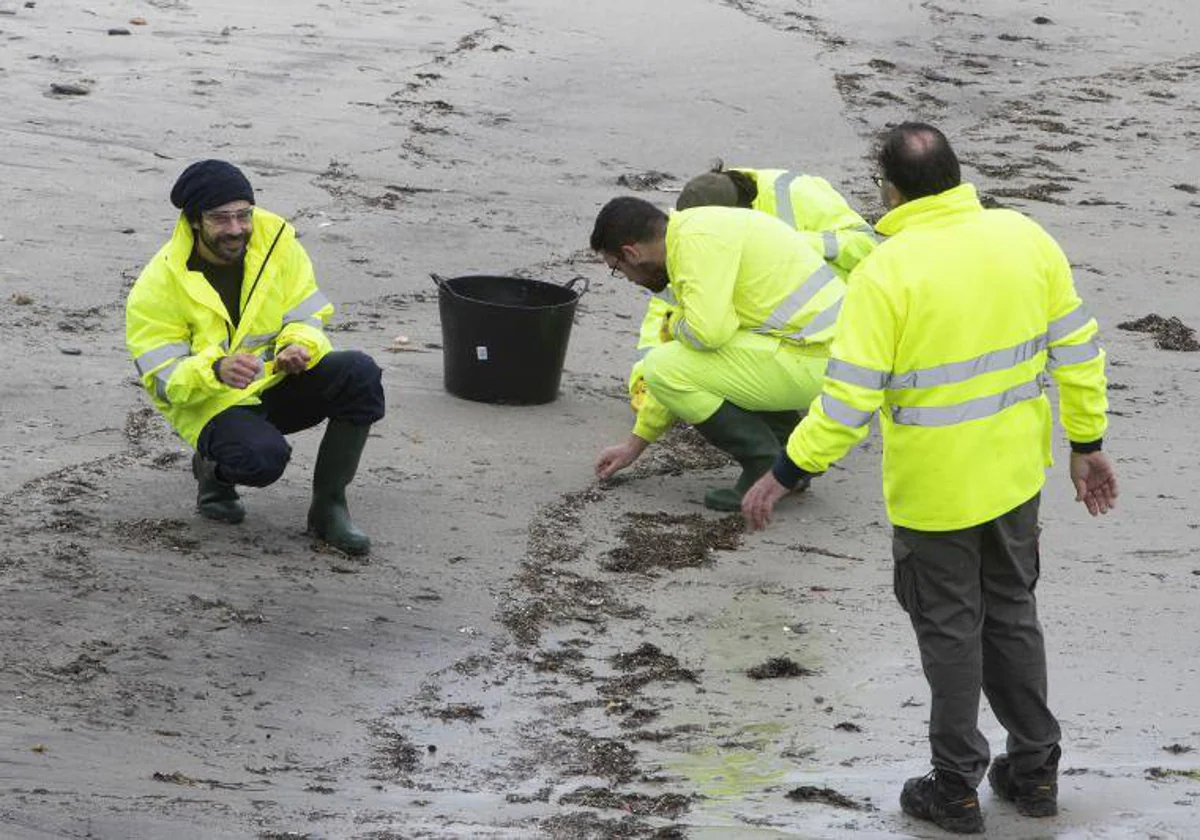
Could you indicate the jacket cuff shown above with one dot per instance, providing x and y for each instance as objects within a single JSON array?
[
  {"x": 1090, "y": 446},
  {"x": 647, "y": 431},
  {"x": 787, "y": 473}
]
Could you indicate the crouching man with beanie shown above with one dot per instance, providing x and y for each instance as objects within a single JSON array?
[{"x": 226, "y": 328}]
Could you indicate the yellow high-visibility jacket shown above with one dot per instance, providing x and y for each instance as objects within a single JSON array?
[
  {"x": 176, "y": 326},
  {"x": 808, "y": 203},
  {"x": 735, "y": 269},
  {"x": 946, "y": 332}
]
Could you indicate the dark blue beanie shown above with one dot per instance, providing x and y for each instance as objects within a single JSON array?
[{"x": 207, "y": 184}]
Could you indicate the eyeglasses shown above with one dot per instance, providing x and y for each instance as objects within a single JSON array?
[
  {"x": 226, "y": 217},
  {"x": 878, "y": 179}
]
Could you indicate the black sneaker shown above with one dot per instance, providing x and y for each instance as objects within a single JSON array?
[
  {"x": 944, "y": 799},
  {"x": 1036, "y": 793}
]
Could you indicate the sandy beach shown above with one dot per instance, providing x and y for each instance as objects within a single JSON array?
[{"x": 527, "y": 653}]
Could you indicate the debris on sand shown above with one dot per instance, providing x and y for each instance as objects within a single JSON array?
[
  {"x": 1169, "y": 333},
  {"x": 648, "y": 664},
  {"x": 827, "y": 796},
  {"x": 457, "y": 711},
  {"x": 177, "y": 778},
  {"x": 563, "y": 660},
  {"x": 680, "y": 450},
  {"x": 649, "y": 180},
  {"x": 672, "y": 541},
  {"x": 606, "y": 758},
  {"x": 587, "y": 825},
  {"x": 70, "y": 88},
  {"x": 777, "y": 667},
  {"x": 170, "y": 534},
  {"x": 81, "y": 669},
  {"x": 1159, "y": 773},
  {"x": 396, "y": 755},
  {"x": 669, "y": 805},
  {"x": 646, "y": 656},
  {"x": 1043, "y": 192},
  {"x": 1177, "y": 749}
]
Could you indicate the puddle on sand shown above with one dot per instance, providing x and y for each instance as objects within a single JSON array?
[
  {"x": 735, "y": 771},
  {"x": 731, "y": 779}
]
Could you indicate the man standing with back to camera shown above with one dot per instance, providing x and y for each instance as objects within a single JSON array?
[
  {"x": 226, "y": 328},
  {"x": 947, "y": 331}
]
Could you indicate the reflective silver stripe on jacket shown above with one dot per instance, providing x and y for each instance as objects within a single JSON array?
[
  {"x": 1062, "y": 327},
  {"x": 151, "y": 359},
  {"x": 252, "y": 341},
  {"x": 791, "y": 305},
  {"x": 825, "y": 319},
  {"x": 683, "y": 332},
  {"x": 1073, "y": 354},
  {"x": 845, "y": 414},
  {"x": 864, "y": 377},
  {"x": 955, "y": 372},
  {"x": 162, "y": 377},
  {"x": 783, "y": 197},
  {"x": 831, "y": 244},
  {"x": 976, "y": 409},
  {"x": 667, "y": 295},
  {"x": 643, "y": 352},
  {"x": 305, "y": 309}
]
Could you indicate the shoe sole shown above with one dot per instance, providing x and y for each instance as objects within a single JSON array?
[{"x": 965, "y": 825}]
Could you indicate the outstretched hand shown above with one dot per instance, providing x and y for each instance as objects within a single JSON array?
[
  {"x": 759, "y": 501},
  {"x": 613, "y": 459},
  {"x": 1095, "y": 481}
]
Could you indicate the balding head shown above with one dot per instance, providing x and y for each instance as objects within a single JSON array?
[{"x": 917, "y": 159}]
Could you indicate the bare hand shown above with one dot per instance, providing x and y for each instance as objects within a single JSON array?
[
  {"x": 616, "y": 458},
  {"x": 1095, "y": 481},
  {"x": 239, "y": 370},
  {"x": 292, "y": 359},
  {"x": 759, "y": 501}
]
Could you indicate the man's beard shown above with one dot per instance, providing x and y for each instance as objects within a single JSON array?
[
  {"x": 655, "y": 277},
  {"x": 230, "y": 247}
]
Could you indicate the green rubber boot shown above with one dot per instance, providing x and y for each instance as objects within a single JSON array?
[
  {"x": 781, "y": 423},
  {"x": 215, "y": 499},
  {"x": 337, "y": 461},
  {"x": 748, "y": 438}
]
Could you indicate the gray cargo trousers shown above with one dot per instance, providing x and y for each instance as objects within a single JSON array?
[{"x": 969, "y": 594}]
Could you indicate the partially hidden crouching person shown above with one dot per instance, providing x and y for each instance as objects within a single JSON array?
[
  {"x": 226, "y": 328},
  {"x": 750, "y": 310}
]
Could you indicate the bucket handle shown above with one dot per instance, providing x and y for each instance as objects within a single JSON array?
[
  {"x": 439, "y": 280},
  {"x": 570, "y": 284}
]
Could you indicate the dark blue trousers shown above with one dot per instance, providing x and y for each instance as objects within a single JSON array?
[{"x": 248, "y": 442}]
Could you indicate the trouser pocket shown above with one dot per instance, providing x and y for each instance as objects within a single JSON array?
[{"x": 904, "y": 576}]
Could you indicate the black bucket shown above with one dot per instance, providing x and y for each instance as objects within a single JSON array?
[{"x": 504, "y": 339}]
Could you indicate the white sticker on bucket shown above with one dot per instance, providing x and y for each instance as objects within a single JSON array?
[{"x": 481, "y": 353}]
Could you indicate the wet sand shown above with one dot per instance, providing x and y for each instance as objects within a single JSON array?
[{"x": 525, "y": 653}]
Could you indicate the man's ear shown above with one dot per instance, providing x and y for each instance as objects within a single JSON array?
[{"x": 630, "y": 253}]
